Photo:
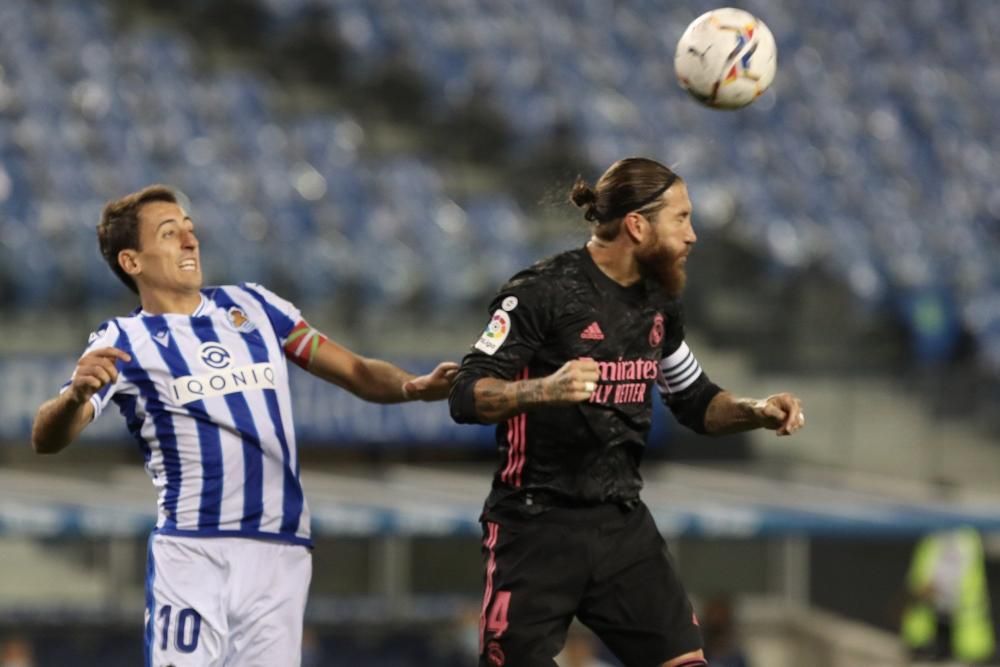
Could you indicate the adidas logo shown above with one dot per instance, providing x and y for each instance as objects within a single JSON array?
[{"x": 592, "y": 332}]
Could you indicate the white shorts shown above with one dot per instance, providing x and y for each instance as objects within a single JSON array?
[{"x": 225, "y": 602}]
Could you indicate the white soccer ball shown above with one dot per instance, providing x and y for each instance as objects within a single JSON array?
[{"x": 726, "y": 58}]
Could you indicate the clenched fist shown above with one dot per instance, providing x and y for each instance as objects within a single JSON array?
[
  {"x": 573, "y": 383},
  {"x": 781, "y": 413}
]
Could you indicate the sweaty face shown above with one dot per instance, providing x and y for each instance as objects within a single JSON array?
[
  {"x": 663, "y": 255},
  {"x": 169, "y": 259}
]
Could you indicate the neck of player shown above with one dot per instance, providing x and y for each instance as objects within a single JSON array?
[
  {"x": 163, "y": 302},
  {"x": 615, "y": 259}
]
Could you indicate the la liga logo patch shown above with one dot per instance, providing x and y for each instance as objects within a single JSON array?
[{"x": 495, "y": 333}]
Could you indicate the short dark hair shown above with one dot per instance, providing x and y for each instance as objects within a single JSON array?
[
  {"x": 119, "y": 226},
  {"x": 632, "y": 184}
]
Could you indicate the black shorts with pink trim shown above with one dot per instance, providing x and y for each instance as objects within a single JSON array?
[{"x": 606, "y": 565}]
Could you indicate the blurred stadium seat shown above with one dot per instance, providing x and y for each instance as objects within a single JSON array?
[
  {"x": 80, "y": 131},
  {"x": 886, "y": 180}
]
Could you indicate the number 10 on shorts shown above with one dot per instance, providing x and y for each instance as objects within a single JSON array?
[{"x": 186, "y": 628}]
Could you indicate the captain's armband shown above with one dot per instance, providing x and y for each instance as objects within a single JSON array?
[{"x": 302, "y": 343}]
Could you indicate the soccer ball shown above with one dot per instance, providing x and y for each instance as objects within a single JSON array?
[{"x": 726, "y": 58}]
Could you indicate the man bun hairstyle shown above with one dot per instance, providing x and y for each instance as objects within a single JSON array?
[
  {"x": 584, "y": 197},
  {"x": 119, "y": 226},
  {"x": 632, "y": 184}
]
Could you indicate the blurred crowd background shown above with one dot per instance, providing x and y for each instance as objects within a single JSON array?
[{"x": 387, "y": 164}]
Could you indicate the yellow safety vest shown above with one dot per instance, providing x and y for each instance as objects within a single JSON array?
[{"x": 972, "y": 626}]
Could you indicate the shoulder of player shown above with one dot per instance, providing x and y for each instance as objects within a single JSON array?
[
  {"x": 555, "y": 270},
  {"x": 108, "y": 330},
  {"x": 672, "y": 307},
  {"x": 246, "y": 296},
  {"x": 260, "y": 294}
]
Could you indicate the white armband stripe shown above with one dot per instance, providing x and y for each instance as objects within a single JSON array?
[
  {"x": 675, "y": 359},
  {"x": 679, "y": 371}
]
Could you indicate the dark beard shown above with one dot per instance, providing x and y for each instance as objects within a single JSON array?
[{"x": 659, "y": 264}]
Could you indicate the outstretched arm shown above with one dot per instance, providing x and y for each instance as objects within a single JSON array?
[
  {"x": 728, "y": 414},
  {"x": 371, "y": 379},
  {"x": 60, "y": 420}
]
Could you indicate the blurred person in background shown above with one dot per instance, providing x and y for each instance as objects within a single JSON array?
[
  {"x": 17, "y": 652},
  {"x": 722, "y": 647},
  {"x": 948, "y": 613},
  {"x": 200, "y": 376},
  {"x": 312, "y": 649},
  {"x": 581, "y": 649},
  {"x": 565, "y": 368},
  {"x": 463, "y": 636}
]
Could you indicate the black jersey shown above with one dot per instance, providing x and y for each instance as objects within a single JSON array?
[{"x": 566, "y": 308}]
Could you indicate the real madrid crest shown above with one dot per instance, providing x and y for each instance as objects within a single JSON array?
[
  {"x": 656, "y": 333},
  {"x": 238, "y": 320}
]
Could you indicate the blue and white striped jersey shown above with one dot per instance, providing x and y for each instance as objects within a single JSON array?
[{"x": 207, "y": 398}]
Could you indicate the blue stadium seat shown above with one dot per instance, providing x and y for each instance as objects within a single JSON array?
[{"x": 875, "y": 151}]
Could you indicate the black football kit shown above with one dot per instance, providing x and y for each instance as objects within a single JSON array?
[{"x": 564, "y": 530}]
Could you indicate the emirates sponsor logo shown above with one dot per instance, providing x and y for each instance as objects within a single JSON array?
[
  {"x": 627, "y": 369},
  {"x": 624, "y": 381}
]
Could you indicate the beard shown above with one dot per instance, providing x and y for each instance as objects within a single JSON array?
[{"x": 660, "y": 264}]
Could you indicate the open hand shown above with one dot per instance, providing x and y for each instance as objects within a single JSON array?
[{"x": 434, "y": 386}]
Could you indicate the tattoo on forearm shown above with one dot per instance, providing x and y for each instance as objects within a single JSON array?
[
  {"x": 491, "y": 400},
  {"x": 497, "y": 399},
  {"x": 528, "y": 393}
]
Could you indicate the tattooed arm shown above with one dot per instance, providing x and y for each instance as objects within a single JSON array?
[
  {"x": 728, "y": 414},
  {"x": 487, "y": 389},
  {"x": 497, "y": 400}
]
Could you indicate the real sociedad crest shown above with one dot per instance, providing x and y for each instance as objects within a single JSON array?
[{"x": 239, "y": 320}]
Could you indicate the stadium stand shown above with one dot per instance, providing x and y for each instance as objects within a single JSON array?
[{"x": 843, "y": 164}]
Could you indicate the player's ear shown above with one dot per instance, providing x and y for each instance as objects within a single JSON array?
[
  {"x": 129, "y": 261},
  {"x": 636, "y": 226}
]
